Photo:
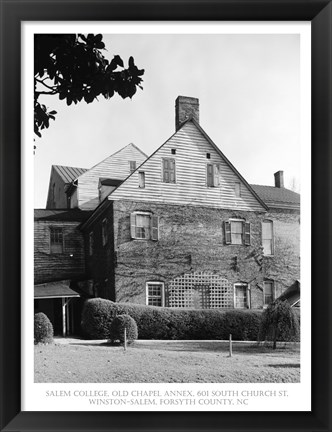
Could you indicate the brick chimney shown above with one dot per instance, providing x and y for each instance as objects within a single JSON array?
[
  {"x": 185, "y": 107},
  {"x": 279, "y": 179}
]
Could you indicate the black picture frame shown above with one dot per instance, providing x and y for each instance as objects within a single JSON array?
[{"x": 13, "y": 12}]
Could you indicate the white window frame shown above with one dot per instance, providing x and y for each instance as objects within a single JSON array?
[
  {"x": 153, "y": 235},
  {"x": 244, "y": 232},
  {"x": 104, "y": 232},
  {"x": 272, "y": 242},
  {"x": 162, "y": 297},
  {"x": 247, "y": 286},
  {"x": 265, "y": 305}
]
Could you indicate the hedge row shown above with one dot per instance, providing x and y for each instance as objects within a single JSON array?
[{"x": 166, "y": 323}]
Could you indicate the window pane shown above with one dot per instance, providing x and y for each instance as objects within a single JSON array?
[
  {"x": 237, "y": 232},
  {"x": 241, "y": 297},
  {"x": 56, "y": 240},
  {"x": 155, "y": 294},
  {"x": 142, "y": 226},
  {"x": 267, "y": 230},
  {"x": 267, "y": 247}
]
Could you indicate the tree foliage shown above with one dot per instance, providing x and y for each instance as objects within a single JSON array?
[
  {"x": 279, "y": 323},
  {"x": 73, "y": 67}
]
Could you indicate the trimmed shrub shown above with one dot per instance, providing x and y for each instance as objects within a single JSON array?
[
  {"x": 118, "y": 326},
  {"x": 279, "y": 323},
  {"x": 97, "y": 316},
  {"x": 43, "y": 329},
  {"x": 166, "y": 323}
]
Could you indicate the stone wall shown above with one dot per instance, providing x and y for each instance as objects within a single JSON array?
[{"x": 191, "y": 239}]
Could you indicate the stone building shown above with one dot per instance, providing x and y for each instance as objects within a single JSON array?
[{"x": 184, "y": 229}]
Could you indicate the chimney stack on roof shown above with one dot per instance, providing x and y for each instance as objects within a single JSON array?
[
  {"x": 279, "y": 179},
  {"x": 185, "y": 108}
]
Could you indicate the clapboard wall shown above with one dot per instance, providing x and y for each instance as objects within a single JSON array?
[
  {"x": 67, "y": 265},
  {"x": 116, "y": 166},
  {"x": 192, "y": 154}
]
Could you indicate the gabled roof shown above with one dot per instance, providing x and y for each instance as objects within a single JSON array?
[
  {"x": 277, "y": 197},
  {"x": 67, "y": 215},
  {"x": 68, "y": 174},
  {"x": 216, "y": 148}
]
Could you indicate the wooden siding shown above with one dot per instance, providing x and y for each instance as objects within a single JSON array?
[
  {"x": 59, "y": 200},
  {"x": 191, "y": 176},
  {"x": 67, "y": 265},
  {"x": 115, "y": 166}
]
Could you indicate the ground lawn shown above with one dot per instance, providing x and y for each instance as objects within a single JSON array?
[{"x": 166, "y": 362}]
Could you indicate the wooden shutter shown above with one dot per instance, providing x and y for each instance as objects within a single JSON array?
[
  {"x": 209, "y": 175},
  {"x": 228, "y": 238},
  {"x": 133, "y": 225},
  {"x": 172, "y": 171},
  {"x": 154, "y": 228},
  {"x": 216, "y": 171},
  {"x": 246, "y": 233}
]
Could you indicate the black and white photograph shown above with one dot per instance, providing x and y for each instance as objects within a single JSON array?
[{"x": 168, "y": 209}]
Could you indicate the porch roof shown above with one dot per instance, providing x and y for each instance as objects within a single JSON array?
[{"x": 58, "y": 289}]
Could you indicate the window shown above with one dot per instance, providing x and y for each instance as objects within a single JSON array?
[
  {"x": 241, "y": 296},
  {"x": 237, "y": 189},
  {"x": 141, "y": 179},
  {"x": 169, "y": 170},
  {"x": 144, "y": 226},
  {"x": 237, "y": 232},
  {"x": 155, "y": 295},
  {"x": 267, "y": 237},
  {"x": 104, "y": 232},
  {"x": 132, "y": 166},
  {"x": 56, "y": 240},
  {"x": 90, "y": 243},
  {"x": 212, "y": 175},
  {"x": 208, "y": 156},
  {"x": 268, "y": 292},
  {"x": 173, "y": 151}
]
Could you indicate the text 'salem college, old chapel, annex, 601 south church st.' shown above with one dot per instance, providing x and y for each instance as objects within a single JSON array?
[{"x": 181, "y": 228}]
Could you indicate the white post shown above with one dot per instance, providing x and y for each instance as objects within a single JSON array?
[
  {"x": 63, "y": 317},
  {"x": 230, "y": 345},
  {"x": 67, "y": 317},
  {"x": 125, "y": 339}
]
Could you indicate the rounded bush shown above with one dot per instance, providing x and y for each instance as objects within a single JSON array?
[
  {"x": 97, "y": 316},
  {"x": 43, "y": 329},
  {"x": 118, "y": 326}
]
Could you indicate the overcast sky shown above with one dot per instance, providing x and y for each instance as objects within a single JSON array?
[{"x": 248, "y": 88}]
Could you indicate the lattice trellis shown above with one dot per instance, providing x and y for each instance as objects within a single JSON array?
[{"x": 199, "y": 290}]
